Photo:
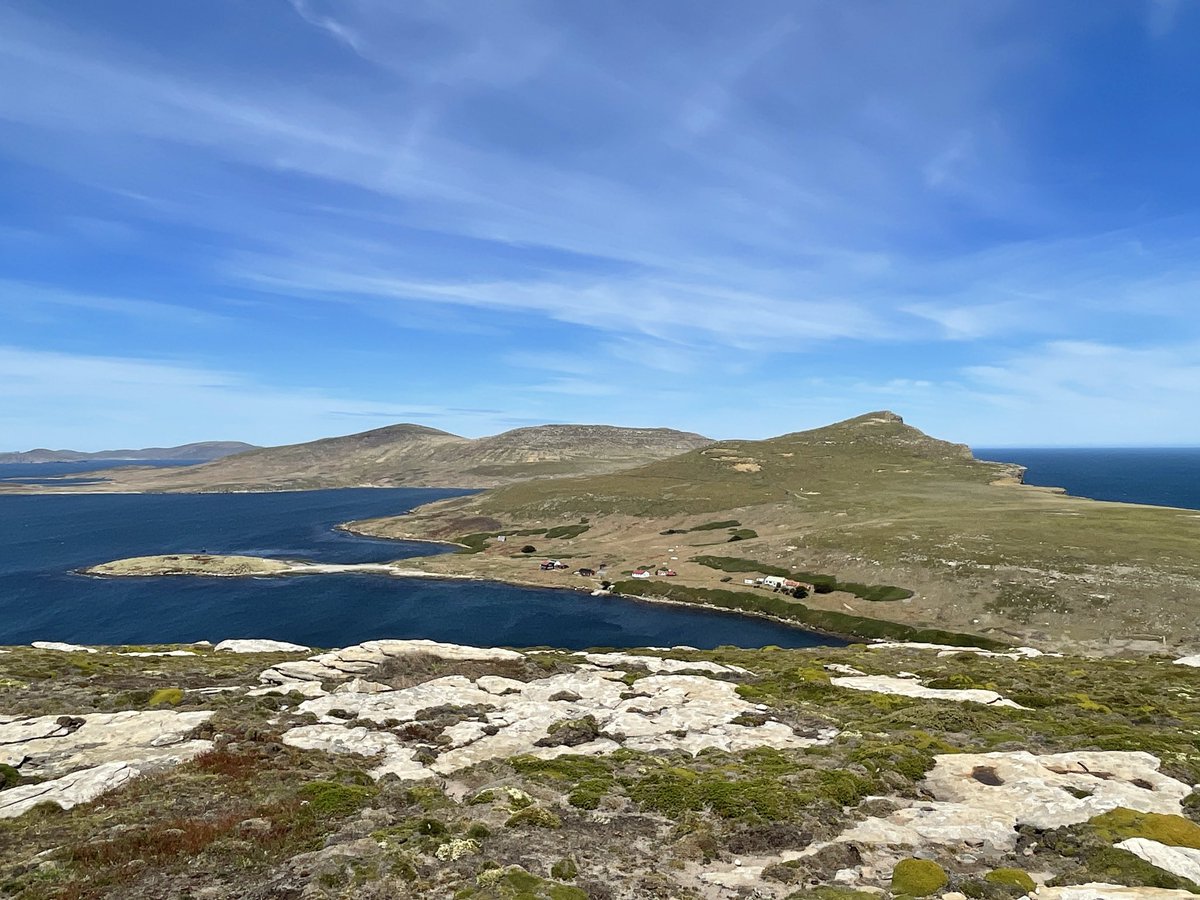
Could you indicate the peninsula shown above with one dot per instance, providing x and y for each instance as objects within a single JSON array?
[{"x": 865, "y": 528}]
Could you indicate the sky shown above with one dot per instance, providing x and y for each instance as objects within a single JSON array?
[{"x": 277, "y": 220}]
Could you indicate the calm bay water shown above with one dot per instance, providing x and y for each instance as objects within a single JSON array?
[
  {"x": 1159, "y": 476},
  {"x": 44, "y": 538},
  {"x": 57, "y": 472}
]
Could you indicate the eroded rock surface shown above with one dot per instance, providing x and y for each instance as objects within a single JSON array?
[
  {"x": 1181, "y": 861},
  {"x": 81, "y": 757},
  {"x": 905, "y": 685},
  {"x": 61, "y": 647},
  {"x": 1097, "y": 891},
  {"x": 980, "y": 798},
  {"x": 238, "y": 645},
  {"x": 500, "y": 717}
]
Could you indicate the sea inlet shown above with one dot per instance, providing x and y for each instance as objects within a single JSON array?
[{"x": 46, "y": 538}]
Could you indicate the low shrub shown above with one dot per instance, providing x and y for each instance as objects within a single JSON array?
[
  {"x": 918, "y": 878},
  {"x": 1016, "y": 878},
  {"x": 534, "y": 816},
  {"x": 172, "y": 696}
]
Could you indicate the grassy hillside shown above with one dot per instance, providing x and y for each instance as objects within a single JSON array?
[
  {"x": 874, "y": 501},
  {"x": 416, "y": 456}
]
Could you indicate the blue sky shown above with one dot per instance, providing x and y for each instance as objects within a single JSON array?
[{"x": 274, "y": 221}]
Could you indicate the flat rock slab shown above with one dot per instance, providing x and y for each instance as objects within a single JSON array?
[
  {"x": 69, "y": 790},
  {"x": 361, "y": 659},
  {"x": 950, "y": 649},
  {"x": 657, "y": 664},
  {"x": 909, "y": 687},
  {"x": 1181, "y": 861},
  {"x": 61, "y": 647},
  {"x": 239, "y": 645},
  {"x": 980, "y": 798},
  {"x": 1097, "y": 891},
  {"x": 50, "y": 746}
]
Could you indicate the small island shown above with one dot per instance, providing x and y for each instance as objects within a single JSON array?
[{"x": 193, "y": 564}]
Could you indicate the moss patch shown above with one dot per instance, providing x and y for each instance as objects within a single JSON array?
[
  {"x": 918, "y": 878},
  {"x": 1121, "y": 823}
]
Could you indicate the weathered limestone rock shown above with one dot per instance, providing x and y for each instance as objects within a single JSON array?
[
  {"x": 236, "y": 645},
  {"x": 1035, "y": 788},
  {"x": 842, "y": 669},
  {"x": 361, "y": 659},
  {"x": 83, "y": 756},
  {"x": 908, "y": 687},
  {"x": 68, "y": 791},
  {"x": 950, "y": 649},
  {"x": 301, "y": 670},
  {"x": 1097, "y": 891},
  {"x": 440, "y": 650},
  {"x": 306, "y": 688},
  {"x": 359, "y": 686},
  {"x": 982, "y": 797},
  {"x": 1193, "y": 661},
  {"x": 937, "y": 823},
  {"x": 60, "y": 646},
  {"x": 657, "y": 664},
  {"x": 53, "y": 745},
  {"x": 505, "y": 717},
  {"x": 1181, "y": 861}
]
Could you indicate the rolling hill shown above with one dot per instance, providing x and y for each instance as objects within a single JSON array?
[
  {"x": 870, "y": 502},
  {"x": 416, "y": 456},
  {"x": 202, "y": 451}
]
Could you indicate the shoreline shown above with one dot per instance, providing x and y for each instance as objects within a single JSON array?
[
  {"x": 6, "y": 490},
  {"x": 300, "y": 567}
]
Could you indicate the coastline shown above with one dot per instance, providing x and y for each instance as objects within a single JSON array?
[{"x": 301, "y": 567}]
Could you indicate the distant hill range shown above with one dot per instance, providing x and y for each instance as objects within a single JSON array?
[
  {"x": 417, "y": 456},
  {"x": 204, "y": 451}
]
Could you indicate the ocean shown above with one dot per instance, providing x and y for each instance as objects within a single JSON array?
[
  {"x": 45, "y": 538},
  {"x": 1158, "y": 476}
]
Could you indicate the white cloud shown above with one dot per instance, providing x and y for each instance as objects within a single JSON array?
[
  {"x": 1082, "y": 393},
  {"x": 120, "y": 401}
]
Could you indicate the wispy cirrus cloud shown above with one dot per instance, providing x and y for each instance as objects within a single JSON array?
[
  {"x": 686, "y": 201},
  {"x": 106, "y": 398}
]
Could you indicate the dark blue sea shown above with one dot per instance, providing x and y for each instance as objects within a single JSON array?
[
  {"x": 45, "y": 538},
  {"x": 1159, "y": 476}
]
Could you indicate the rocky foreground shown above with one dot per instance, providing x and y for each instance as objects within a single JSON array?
[{"x": 260, "y": 769}]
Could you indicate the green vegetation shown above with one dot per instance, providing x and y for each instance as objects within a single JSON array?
[
  {"x": 566, "y": 532},
  {"x": 237, "y": 815},
  {"x": 1008, "y": 877},
  {"x": 166, "y": 697},
  {"x": 535, "y": 816},
  {"x": 918, "y": 878},
  {"x": 779, "y": 606},
  {"x": 822, "y": 583},
  {"x": 1121, "y": 823},
  {"x": 874, "y": 492},
  {"x": 742, "y": 534},
  {"x": 329, "y": 798},
  {"x": 565, "y": 869}
]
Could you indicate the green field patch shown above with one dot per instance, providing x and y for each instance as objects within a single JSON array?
[
  {"x": 822, "y": 584},
  {"x": 827, "y": 621}
]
